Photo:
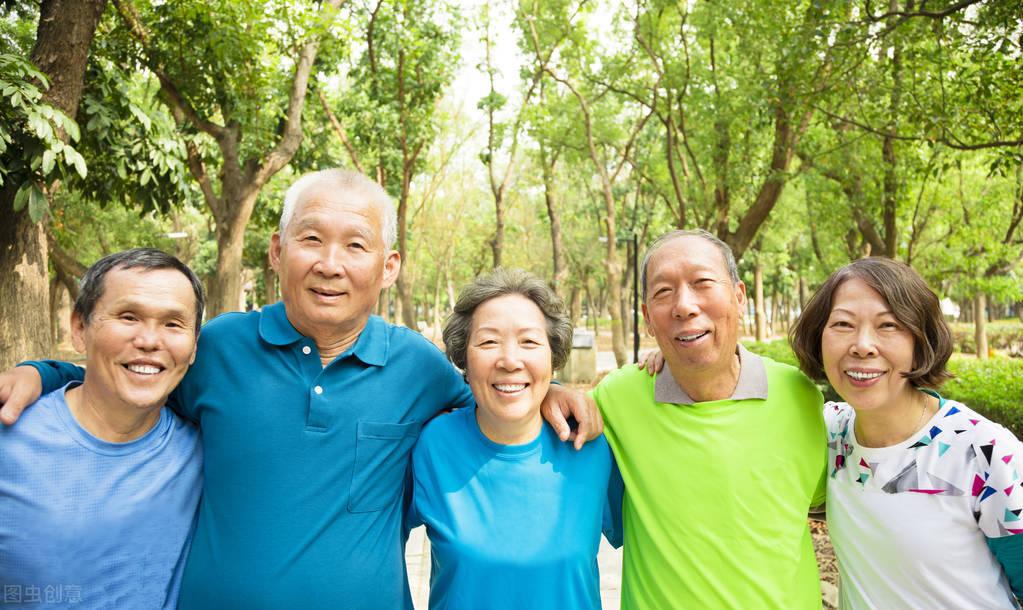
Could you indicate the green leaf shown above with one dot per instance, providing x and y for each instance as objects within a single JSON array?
[
  {"x": 21, "y": 197},
  {"x": 48, "y": 159},
  {"x": 79, "y": 162},
  {"x": 36, "y": 203}
]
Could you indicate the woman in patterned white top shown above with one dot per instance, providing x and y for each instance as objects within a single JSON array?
[{"x": 924, "y": 494}]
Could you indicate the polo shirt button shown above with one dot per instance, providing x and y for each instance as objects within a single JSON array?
[
  {"x": 306, "y": 350},
  {"x": 318, "y": 390}
]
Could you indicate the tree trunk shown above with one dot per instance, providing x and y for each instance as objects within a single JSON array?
[
  {"x": 575, "y": 307},
  {"x": 226, "y": 285},
  {"x": 758, "y": 299},
  {"x": 270, "y": 295},
  {"x": 980, "y": 324},
  {"x": 61, "y": 51},
  {"x": 557, "y": 244}
]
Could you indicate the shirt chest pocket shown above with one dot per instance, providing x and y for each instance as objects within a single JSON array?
[{"x": 382, "y": 453}]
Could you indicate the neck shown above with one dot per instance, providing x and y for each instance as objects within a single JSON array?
[
  {"x": 335, "y": 341},
  {"x": 708, "y": 385},
  {"x": 501, "y": 432},
  {"x": 111, "y": 423},
  {"x": 333, "y": 347},
  {"x": 890, "y": 426}
]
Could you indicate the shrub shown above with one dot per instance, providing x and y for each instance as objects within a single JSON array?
[
  {"x": 993, "y": 388},
  {"x": 1006, "y": 335}
]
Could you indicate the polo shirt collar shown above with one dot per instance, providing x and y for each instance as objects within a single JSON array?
[
  {"x": 371, "y": 347},
  {"x": 752, "y": 381}
]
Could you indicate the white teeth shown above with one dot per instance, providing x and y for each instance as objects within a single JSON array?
[
  {"x": 863, "y": 376},
  {"x": 691, "y": 337},
  {"x": 143, "y": 369},
  {"x": 509, "y": 387}
]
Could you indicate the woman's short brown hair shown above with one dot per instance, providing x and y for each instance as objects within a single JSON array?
[{"x": 912, "y": 302}]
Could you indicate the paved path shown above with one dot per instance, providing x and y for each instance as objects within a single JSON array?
[{"x": 417, "y": 556}]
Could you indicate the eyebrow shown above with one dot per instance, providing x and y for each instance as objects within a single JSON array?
[{"x": 851, "y": 313}]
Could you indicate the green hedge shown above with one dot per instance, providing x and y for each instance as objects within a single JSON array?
[
  {"x": 1005, "y": 335},
  {"x": 993, "y": 387}
]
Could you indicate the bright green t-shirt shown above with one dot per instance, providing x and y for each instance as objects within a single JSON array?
[{"x": 717, "y": 493}]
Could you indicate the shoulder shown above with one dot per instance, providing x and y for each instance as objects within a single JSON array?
[
  {"x": 405, "y": 340},
  {"x": 442, "y": 429},
  {"x": 791, "y": 381},
  {"x": 627, "y": 379},
  {"x": 39, "y": 427},
  {"x": 985, "y": 435},
  {"x": 837, "y": 416},
  {"x": 233, "y": 324}
]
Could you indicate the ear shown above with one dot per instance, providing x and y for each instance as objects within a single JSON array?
[
  {"x": 740, "y": 295},
  {"x": 646, "y": 318},
  {"x": 392, "y": 267},
  {"x": 78, "y": 333},
  {"x": 195, "y": 350},
  {"x": 275, "y": 252}
]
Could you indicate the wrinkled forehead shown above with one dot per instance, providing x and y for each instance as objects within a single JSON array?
[
  {"x": 324, "y": 197},
  {"x": 687, "y": 252}
]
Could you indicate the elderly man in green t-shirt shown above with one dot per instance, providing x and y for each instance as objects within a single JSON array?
[{"x": 722, "y": 452}]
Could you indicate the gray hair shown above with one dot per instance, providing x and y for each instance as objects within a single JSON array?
[
  {"x": 147, "y": 259},
  {"x": 726, "y": 252},
  {"x": 502, "y": 282},
  {"x": 353, "y": 185}
]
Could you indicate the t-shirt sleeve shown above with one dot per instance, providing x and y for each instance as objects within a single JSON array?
[
  {"x": 613, "y": 526},
  {"x": 998, "y": 499},
  {"x": 55, "y": 374}
]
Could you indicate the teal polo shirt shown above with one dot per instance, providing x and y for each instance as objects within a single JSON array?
[{"x": 306, "y": 467}]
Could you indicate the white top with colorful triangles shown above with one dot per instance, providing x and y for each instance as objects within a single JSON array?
[{"x": 910, "y": 522}]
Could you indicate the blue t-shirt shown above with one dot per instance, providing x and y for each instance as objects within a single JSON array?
[
  {"x": 513, "y": 526},
  {"x": 306, "y": 466},
  {"x": 87, "y": 523}
]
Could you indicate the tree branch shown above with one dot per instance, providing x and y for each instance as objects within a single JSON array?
[{"x": 341, "y": 134}]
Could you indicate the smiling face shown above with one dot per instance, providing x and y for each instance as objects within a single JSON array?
[
  {"x": 332, "y": 262},
  {"x": 508, "y": 365},
  {"x": 140, "y": 338},
  {"x": 693, "y": 307},
  {"x": 865, "y": 349}
]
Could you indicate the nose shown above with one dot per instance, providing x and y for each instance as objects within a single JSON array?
[
  {"x": 510, "y": 359},
  {"x": 331, "y": 262},
  {"x": 686, "y": 305},
  {"x": 148, "y": 337},
  {"x": 864, "y": 344}
]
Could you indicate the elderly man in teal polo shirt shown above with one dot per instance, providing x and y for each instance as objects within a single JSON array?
[{"x": 309, "y": 410}]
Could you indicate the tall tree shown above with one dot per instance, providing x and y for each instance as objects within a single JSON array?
[
  {"x": 217, "y": 66},
  {"x": 61, "y": 52}
]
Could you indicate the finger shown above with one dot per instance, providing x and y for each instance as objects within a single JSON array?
[
  {"x": 557, "y": 420},
  {"x": 11, "y": 411}
]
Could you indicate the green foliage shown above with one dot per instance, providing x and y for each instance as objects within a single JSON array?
[
  {"x": 1006, "y": 335},
  {"x": 32, "y": 153},
  {"x": 992, "y": 387},
  {"x": 778, "y": 350}
]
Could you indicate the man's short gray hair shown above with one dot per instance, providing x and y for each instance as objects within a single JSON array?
[
  {"x": 352, "y": 184},
  {"x": 498, "y": 283},
  {"x": 726, "y": 252}
]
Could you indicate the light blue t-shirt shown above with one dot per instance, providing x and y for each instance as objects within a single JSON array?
[
  {"x": 85, "y": 523},
  {"x": 513, "y": 526}
]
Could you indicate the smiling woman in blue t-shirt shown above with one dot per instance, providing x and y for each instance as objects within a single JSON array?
[{"x": 514, "y": 515}]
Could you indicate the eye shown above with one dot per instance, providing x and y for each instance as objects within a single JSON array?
[
  {"x": 313, "y": 239},
  {"x": 356, "y": 245},
  {"x": 839, "y": 324},
  {"x": 128, "y": 317},
  {"x": 890, "y": 325},
  {"x": 176, "y": 324}
]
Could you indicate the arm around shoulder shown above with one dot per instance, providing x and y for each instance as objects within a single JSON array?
[{"x": 25, "y": 383}]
